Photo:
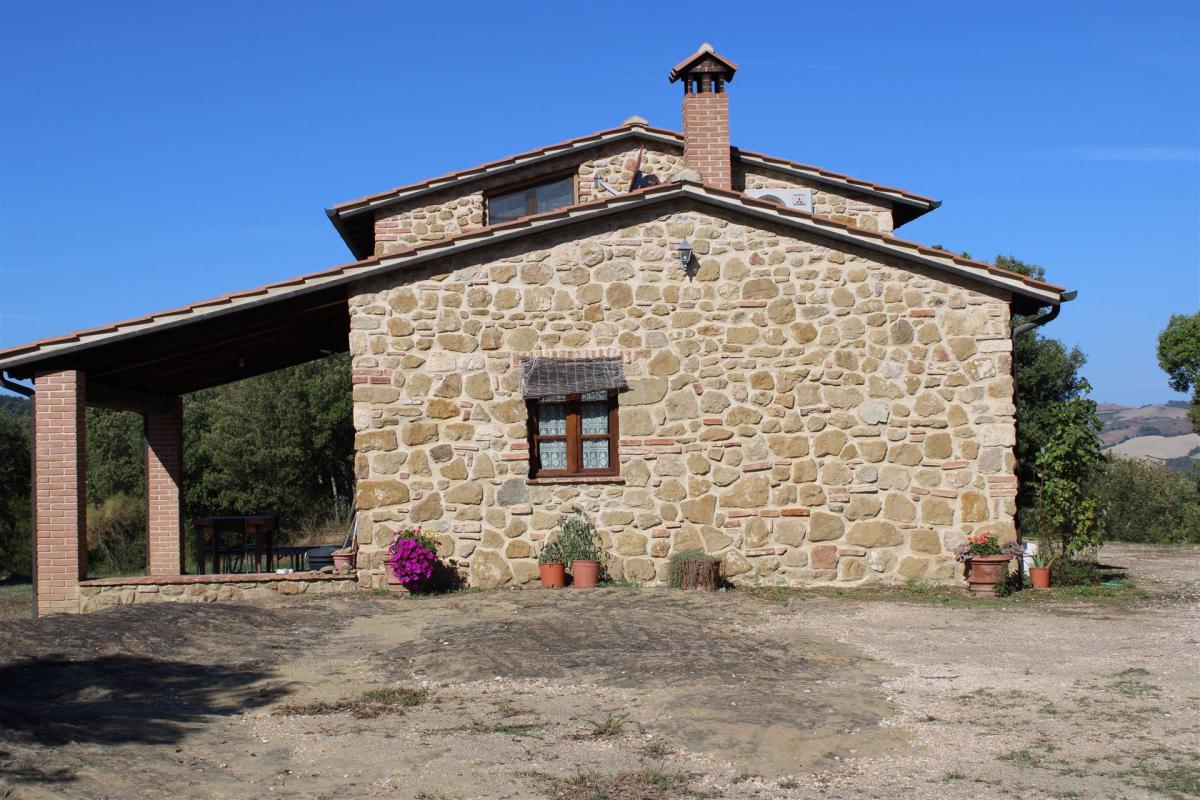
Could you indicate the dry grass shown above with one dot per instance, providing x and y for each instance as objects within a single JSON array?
[{"x": 370, "y": 704}]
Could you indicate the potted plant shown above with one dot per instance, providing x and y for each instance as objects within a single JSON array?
[
  {"x": 410, "y": 558},
  {"x": 552, "y": 565},
  {"x": 987, "y": 561},
  {"x": 581, "y": 549},
  {"x": 345, "y": 558},
  {"x": 1039, "y": 570}
]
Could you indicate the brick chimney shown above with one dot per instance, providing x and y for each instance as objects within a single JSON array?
[{"x": 706, "y": 114}]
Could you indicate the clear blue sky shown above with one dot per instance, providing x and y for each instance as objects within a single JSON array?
[{"x": 154, "y": 154}]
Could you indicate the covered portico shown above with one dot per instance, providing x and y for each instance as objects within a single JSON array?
[{"x": 146, "y": 365}]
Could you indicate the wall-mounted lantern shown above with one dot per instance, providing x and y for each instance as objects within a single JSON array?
[{"x": 685, "y": 256}]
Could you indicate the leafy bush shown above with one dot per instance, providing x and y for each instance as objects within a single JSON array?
[
  {"x": 117, "y": 536},
  {"x": 678, "y": 561},
  {"x": 1148, "y": 502},
  {"x": 578, "y": 538},
  {"x": 1067, "y": 510},
  {"x": 552, "y": 553}
]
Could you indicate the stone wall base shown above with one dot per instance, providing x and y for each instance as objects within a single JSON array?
[{"x": 107, "y": 592}]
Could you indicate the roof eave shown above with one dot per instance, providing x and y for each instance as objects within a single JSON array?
[{"x": 1024, "y": 290}]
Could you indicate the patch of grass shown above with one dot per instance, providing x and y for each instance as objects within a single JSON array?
[
  {"x": 16, "y": 599},
  {"x": 612, "y": 725},
  {"x": 507, "y": 728},
  {"x": 954, "y": 775},
  {"x": 1177, "y": 781},
  {"x": 1130, "y": 684},
  {"x": 789, "y": 783},
  {"x": 958, "y": 597},
  {"x": 649, "y": 784},
  {"x": 371, "y": 703},
  {"x": 1024, "y": 757}
]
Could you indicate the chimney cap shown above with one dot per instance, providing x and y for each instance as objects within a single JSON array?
[{"x": 707, "y": 60}]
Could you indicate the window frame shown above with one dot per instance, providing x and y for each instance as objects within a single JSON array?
[
  {"x": 574, "y": 438},
  {"x": 530, "y": 187}
]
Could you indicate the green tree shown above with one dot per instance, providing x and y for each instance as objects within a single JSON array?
[
  {"x": 1179, "y": 356},
  {"x": 1149, "y": 502},
  {"x": 281, "y": 442},
  {"x": 1047, "y": 372},
  {"x": 16, "y": 534},
  {"x": 116, "y": 454},
  {"x": 1068, "y": 511}
]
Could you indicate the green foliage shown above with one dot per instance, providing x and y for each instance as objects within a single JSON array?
[
  {"x": 552, "y": 553},
  {"x": 1068, "y": 511},
  {"x": 1045, "y": 556},
  {"x": 116, "y": 454},
  {"x": 117, "y": 536},
  {"x": 1179, "y": 356},
  {"x": 681, "y": 557},
  {"x": 578, "y": 539},
  {"x": 1148, "y": 502},
  {"x": 281, "y": 443},
  {"x": 16, "y": 551},
  {"x": 1047, "y": 372}
]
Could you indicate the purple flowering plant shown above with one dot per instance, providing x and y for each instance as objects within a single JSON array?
[
  {"x": 411, "y": 555},
  {"x": 986, "y": 544}
]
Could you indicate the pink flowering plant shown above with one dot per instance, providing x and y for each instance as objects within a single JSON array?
[
  {"x": 985, "y": 543},
  {"x": 411, "y": 555}
]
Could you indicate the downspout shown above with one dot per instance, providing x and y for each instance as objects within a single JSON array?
[
  {"x": 13, "y": 386},
  {"x": 1038, "y": 322}
]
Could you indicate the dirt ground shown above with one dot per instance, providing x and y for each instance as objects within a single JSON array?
[{"x": 618, "y": 693}]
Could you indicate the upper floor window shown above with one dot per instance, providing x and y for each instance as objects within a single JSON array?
[{"x": 533, "y": 199}]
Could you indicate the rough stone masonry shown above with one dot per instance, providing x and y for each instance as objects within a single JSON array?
[{"x": 806, "y": 411}]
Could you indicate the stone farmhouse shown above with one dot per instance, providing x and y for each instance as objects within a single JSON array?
[{"x": 698, "y": 345}]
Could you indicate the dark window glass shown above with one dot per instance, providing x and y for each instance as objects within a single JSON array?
[{"x": 536, "y": 199}]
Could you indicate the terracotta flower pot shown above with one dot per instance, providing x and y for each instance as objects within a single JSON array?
[
  {"x": 1039, "y": 577},
  {"x": 343, "y": 562},
  {"x": 984, "y": 572},
  {"x": 585, "y": 574},
  {"x": 554, "y": 576},
  {"x": 394, "y": 585}
]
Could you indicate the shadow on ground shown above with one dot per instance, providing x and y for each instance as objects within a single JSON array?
[{"x": 116, "y": 699}]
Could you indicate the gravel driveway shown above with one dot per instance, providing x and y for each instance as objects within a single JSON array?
[{"x": 618, "y": 693}]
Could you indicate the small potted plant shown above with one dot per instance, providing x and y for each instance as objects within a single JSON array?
[
  {"x": 581, "y": 549},
  {"x": 552, "y": 565},
  {"x": 1039, "y": 570},
  {"x": 344, "y": 558},
  {"x": 410, "y": 558},
  {"x": 987, "y": 561}
]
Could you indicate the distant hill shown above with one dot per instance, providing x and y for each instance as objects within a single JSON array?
[{"x": 1161, "y": 432}]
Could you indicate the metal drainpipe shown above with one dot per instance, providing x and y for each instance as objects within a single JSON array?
[{"x": 12, "y": 386}]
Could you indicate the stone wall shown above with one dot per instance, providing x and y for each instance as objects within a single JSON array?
[
  {"x": 107, "y": 592},
  {"x": 808, "y": 413},
  {"x": 457, "y": 209},
  {"x": 847, "y": 207}
]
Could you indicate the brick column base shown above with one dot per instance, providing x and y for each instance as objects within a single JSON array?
[
  {"x": 59, "y": 493},
  {"x": 164, "y": 482}
]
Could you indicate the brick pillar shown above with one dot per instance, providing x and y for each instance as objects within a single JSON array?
[
  {"x": 706, "y": 133},
  {"x": 164, "y": 482},
  {"x": 59, "y": 493}
]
